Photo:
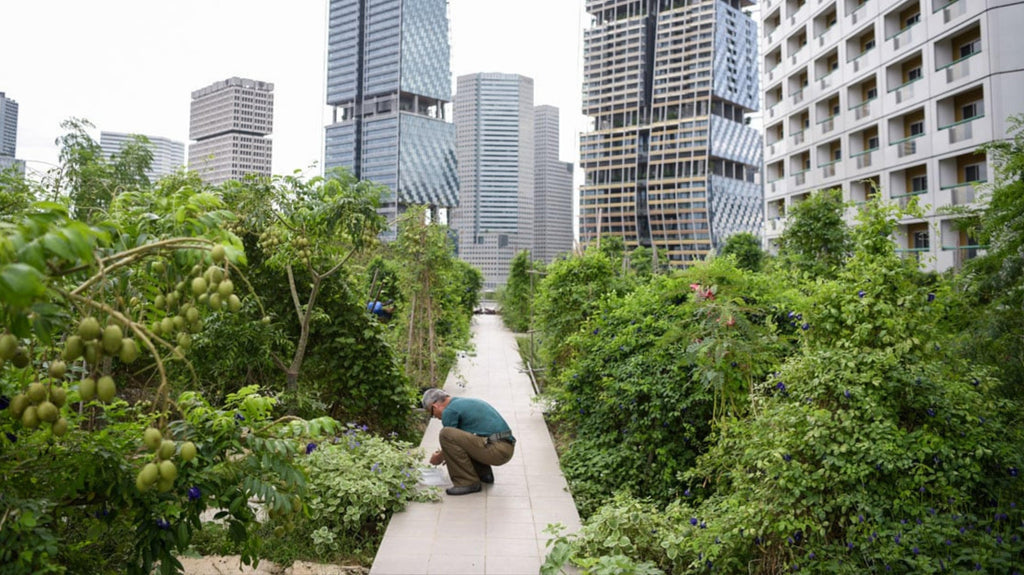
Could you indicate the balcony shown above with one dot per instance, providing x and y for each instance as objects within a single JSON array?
[
  {"x": 952, "y": 10},
  {"x": 798, "y": 137},
  {"x": 863, "y": 159},
  {"x": 828, "y": 80},
  {"x": 864, "y": 61},
  {"x": 959, "y": 194},
  {"x": 905, "y": 92},
  {"x": 912, "y": 254},
  {"x": 958, "y": 69},
  {"x": 905, "y": 37},
  {"x": 963, "y": 253},
  {"x": 800, "y": 178},
  {"x": 907, "y": 146},
  {"x": 828, "y": 170},
  {"x": 776, "y": 224},
  {"x": 797, "y": 96},
  {"x": 862, "y": 110},
  {"x": 903, "y": 200},
  {"x": 962, "y": 130},
  {"x": 828, "y": 124}
]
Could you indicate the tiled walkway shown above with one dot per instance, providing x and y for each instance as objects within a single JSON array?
[{"x": 500, "y": 529}]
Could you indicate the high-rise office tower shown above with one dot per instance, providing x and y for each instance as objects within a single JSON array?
[
  {"x": 8, "y": 126},
  {"x": 168, "y": 155},
  {"x": 230, "y": 122},
  {"x": 670, "y": 162},
  {"x": 9, "y": 134},
  {"x": 552, "y": 200},
  {"x": 891, "y": 98},
  {"x": 494, "y": 123},
  {"x": 388, "y": 81}
]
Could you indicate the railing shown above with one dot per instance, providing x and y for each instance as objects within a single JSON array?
[
  {"x": 800, "y": 178},
  {"x": 773, "y": 185},
  {"x": 904, "y": 37},
  {"x": 952, "y": 10},
  {"x": 961, "y": 194},
  {"x": 958, "y": 69},
  {"x": 828, "y": 170},
  {"x": 797, "y": 96},
  {"x": 911, "y": 253},
  {"x": 823, "y": 38},
  {"x": 828, "y": 124},
  {"x": 827, "y": 79},
  {"x": 962, "y": 130},
  {"x": 855, "y": 15},
  {"x": 907, "y": 146},
  {"x": 772, "y": 109},
  {"x": 798, "y": 137},
  {"x": 775, "y": 224},
  {"x": 858, "y": 60},
  {"x": 963, "y": 253},
  {"x": 862, "y": 110},
  {"x": 905, "y": 91},
  {"x": 863, "y": 158},
  {"x": 904, "y": 199}
]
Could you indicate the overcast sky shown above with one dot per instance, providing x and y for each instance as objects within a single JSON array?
[{"x": 131, "y": 65}]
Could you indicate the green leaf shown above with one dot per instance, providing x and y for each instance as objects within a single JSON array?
[{"x": 20, "y": 284}]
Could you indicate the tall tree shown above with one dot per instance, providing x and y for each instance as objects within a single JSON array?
[
  {"x": 746, "y": 248},
  {"x": 817, "y": 239}
]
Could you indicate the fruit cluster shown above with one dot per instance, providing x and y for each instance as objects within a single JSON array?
[{"x": 161, "y": 472}]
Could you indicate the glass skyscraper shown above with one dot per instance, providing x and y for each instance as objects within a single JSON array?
[
  {"x": 494, "y": 117},
  {"x": 670, "y": 162},
  {"x": 388, "y": 81}
]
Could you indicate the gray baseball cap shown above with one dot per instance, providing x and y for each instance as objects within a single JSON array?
[{"x": 432, "y": 396}]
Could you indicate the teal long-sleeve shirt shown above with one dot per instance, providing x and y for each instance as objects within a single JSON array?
[{"x": 473, "y": 415}]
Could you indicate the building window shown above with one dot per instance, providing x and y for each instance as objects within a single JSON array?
[
  {"x": 917, "y": 128},
  {"x": 914, "y": 74},
  {"x": 921, "y": 240},
  {"x": 969, "y": 111},
  {"x": 919, "y": 184},
  {"x": 972, "y": 173},
  {"x": 972, "y": 47}
]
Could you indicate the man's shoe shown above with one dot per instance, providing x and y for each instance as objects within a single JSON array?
[
  {"x": 487, "y": 477},
  {"x": 463, "y": 489}
]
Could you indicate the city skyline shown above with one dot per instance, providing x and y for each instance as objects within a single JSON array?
[{"x": 141, "y": 68}]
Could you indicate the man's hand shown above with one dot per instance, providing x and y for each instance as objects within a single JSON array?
[{"x": 437, "y": 458}]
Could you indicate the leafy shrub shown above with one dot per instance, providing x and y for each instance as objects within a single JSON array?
[{"x": 355, "y": 483}]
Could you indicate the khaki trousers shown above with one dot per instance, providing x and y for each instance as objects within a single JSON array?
[{"x": 466, "y": 453}]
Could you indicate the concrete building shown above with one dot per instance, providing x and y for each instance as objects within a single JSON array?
[
  {"x": 891, "y": 98},
  {"x": 9, "y": 134},
  {"x": 8, "y": 126},
  {"x": 168, "y": 155},
  {"x": 229, "y": 125},
  {"x": 670, "y": 162},
  {"x": 388, "y": 81},
  {"x": 552, "y": 200},
  {"x": 494, "y": 123}
]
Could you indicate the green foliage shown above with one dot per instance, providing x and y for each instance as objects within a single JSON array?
[
  {"x": 817, "y": 239},
  {"x": 439, "y": 292},
  {"x": 357, "y": 481},
  {"x": 870, "y": 449},
  {"x": 517, "y": 298},
  {"x": 650, "y": 371},
  {"x": 746, "y": 248},
  {"x": 567, "y": 297}
]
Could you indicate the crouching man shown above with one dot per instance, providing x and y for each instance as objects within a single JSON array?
[{"x": 474, "y": 437}]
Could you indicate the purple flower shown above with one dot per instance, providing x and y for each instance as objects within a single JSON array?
[
  {"x": 693, "y": 521},
  {"x": 930, "y": 412},
  {"x": 364, "y": 427},
  {"x": 806, "y": 326},
  {"x": 860, "y": 518},
  {"x": 931, "y": 297},
  {"x": 780, "y": 386},
  {"x": 847, "y": 394},
  {"x": 792, "y": 314},
  {"x": 163, "y": 524},
  {"x": 787, "y": 457},
  {"x": 596, "y": 331},
  {"x": 915, "y": 550},
  {"x": 375, "y": 468},
  {"x": 810, "y": 555},
  {"x": 1013, "y": 472},
  {"x": 310, "y": 448},
  {"x": 239, "y": 417},
  {"x": 194, "y": 493},
  {"x": 849, "y": 546},
  {"x": 686, "y": 493},
  {"x": 896, "y": 539},
  {"x": 861, "y": 293}
]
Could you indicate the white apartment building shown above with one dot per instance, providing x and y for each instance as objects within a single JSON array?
[
  {"x": 168, "y": 155},
  {"x": 230, "y": 121},
  {"x": 889, "y": 97}
]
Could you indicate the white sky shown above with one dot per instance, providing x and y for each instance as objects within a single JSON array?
[{"x": 131, "y": 65}]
